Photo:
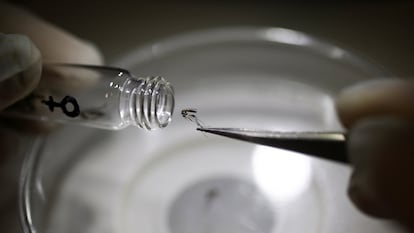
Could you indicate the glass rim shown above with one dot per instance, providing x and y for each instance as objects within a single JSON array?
[
  {"x": 273, "y": 35},
  {"x": 276, "y": 35},
  {"x": 31, "y": 161}
]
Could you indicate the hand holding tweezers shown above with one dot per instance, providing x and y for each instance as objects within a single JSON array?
[{"x": 326, "y": 145}]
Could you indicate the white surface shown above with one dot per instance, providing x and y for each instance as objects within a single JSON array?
[{"x": 127, "y": 183}]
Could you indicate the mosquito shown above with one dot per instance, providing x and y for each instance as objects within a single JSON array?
[{"x": 190, "y": 114}]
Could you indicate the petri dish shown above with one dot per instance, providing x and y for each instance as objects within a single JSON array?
[{"x": 178, "y": 180}]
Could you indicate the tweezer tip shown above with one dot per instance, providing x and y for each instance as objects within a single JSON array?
[
  {"x": 207, "y": 130},
  {"x": 221, "y": 130}
]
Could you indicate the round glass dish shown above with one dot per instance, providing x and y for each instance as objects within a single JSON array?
[{"x": 178, "y": 180}]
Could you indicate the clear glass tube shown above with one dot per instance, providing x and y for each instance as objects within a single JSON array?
[{"x": 97, "y": 96}]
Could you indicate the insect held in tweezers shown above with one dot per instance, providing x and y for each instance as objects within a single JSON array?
[{"x": 190, "y": 114}]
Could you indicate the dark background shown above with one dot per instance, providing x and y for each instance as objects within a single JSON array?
[{"x": 380, "y": 30}]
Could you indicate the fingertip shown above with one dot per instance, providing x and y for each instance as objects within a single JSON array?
[
  {"x": 56, "y": 44},
  {"x": 375, "y": 97},
  {"x": 363, "y": 197},
  {"x": 20, "y": 69},
  {"x": 381, "y": 150},
  {"x": 91, "y": 53},
  {"x": 27, "y": 54},
  {"x": 17, "y": 53}
]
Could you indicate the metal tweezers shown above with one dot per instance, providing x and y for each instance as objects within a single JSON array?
[{"x": 325, "y": 145}]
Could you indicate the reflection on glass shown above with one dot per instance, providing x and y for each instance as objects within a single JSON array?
[
  {"x": 281, "y": 174},
  {"x": 286, "y": 36}
]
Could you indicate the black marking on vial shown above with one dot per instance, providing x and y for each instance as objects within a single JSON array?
[{"x": 63, "y": 105}]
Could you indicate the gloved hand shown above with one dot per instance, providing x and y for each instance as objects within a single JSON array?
[
  {"x": 20, "y": 68},
  {"x": 25, "y": 42},
  {"x": 380, "y": 117}
]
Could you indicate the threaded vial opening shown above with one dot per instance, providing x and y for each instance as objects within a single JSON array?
[{"x": 154, "y": 103}]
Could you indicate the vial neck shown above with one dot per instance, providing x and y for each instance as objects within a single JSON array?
[{"x": 148, "y": 102}]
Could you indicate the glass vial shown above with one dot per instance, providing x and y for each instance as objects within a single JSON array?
[{"x": 97, "y": 96}]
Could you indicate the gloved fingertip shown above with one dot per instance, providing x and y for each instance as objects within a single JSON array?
[
  {"x": 362, "y": 195},
  {"x": 375, "y": 97},
  {"x": 380, "y": 150},
  {"x": 20, "y": 68},
  {"x": 91, "y": 54},
  {"x": 17, "y": 53}
]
